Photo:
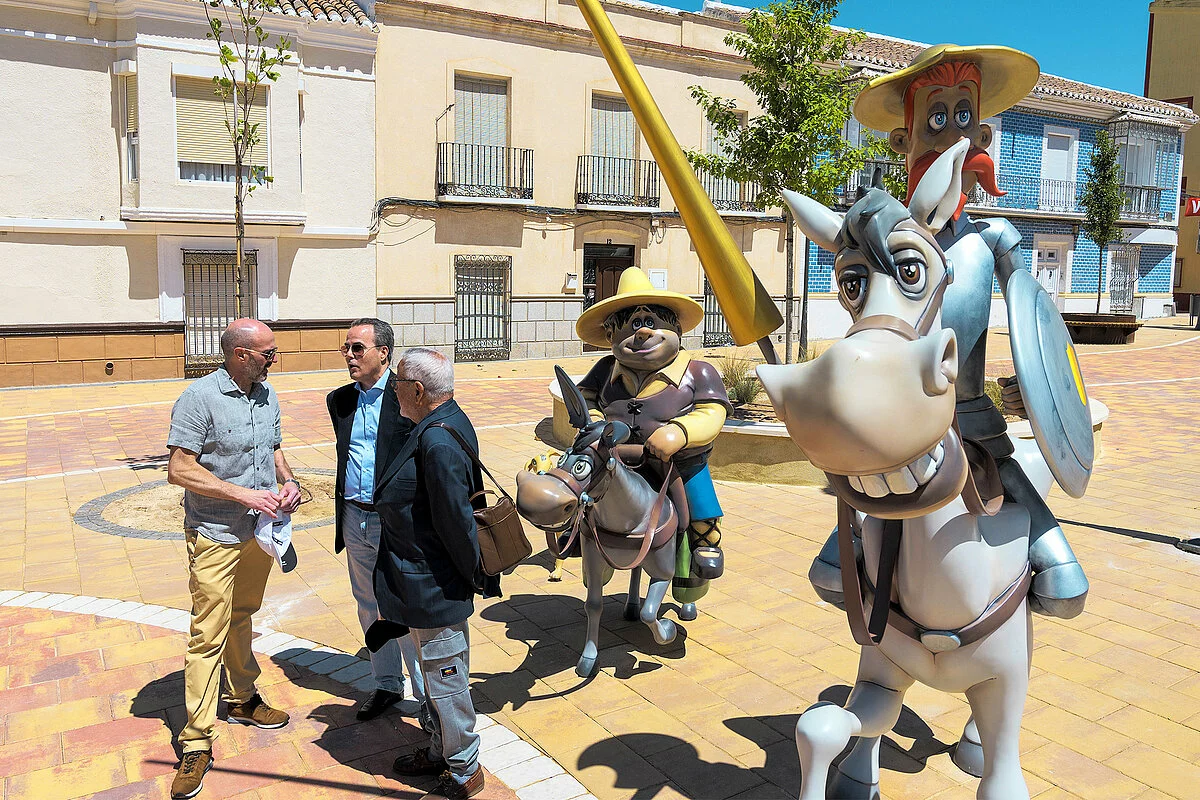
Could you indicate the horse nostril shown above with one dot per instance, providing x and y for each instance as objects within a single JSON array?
[{"x": 570, "y": 509}]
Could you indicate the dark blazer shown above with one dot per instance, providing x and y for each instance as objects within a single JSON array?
[
  {"x": 393, "y": 433},
  {"x": 428, "y": 569}
]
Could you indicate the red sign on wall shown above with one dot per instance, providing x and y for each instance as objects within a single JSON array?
[{"x": 1193, "y": 207}]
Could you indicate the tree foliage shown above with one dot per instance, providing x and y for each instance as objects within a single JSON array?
[
  {"x": 804, "y": 90},
  {"x": 1102, "y": 200}
]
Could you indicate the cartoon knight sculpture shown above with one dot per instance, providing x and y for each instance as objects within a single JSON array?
[
  {"x": 940, "y": 99},
  {"x": 673, "y": 404}
]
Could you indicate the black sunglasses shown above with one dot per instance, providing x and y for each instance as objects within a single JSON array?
[
  {"x": 358, "y": 349},
  {"x": 269, "y": 355}
]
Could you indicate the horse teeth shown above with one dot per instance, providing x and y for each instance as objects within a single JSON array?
[
  {"x": 938, "y": 452},
  {"x": 855, "y": 483},
  {"x": 923, "y": 469},
  {"x": 875, "y": 486},
  {"x": 901, "y": 481}
]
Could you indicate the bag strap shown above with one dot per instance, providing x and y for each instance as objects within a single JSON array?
[{"x": 471, "y": 454}]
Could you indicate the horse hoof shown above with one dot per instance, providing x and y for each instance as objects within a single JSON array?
[
  {"x": 555, "y": 576},
  {"x": 844, "y": 787},
  {"x": 664, "y": 631},
  {"x": 968, "y": 756},
  {"x": 586, "y": 667},
  {"x": 687, "y": 612}
]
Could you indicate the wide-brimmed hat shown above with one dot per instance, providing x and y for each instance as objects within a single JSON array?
[
  {"x": 633, "y": 290},
  {"x": 1008, "y": 76}
]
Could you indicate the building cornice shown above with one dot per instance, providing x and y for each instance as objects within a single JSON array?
[
  {"x": 540, "y": 31},
  {"x": 208, "y": 215}
]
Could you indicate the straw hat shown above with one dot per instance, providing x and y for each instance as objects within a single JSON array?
[
  {"x": 1008, "y": 76},
  {"x": 633, "y": 290}
]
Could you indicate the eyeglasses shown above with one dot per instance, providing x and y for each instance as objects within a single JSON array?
[
  {"x": 358, "y": 349},
  {"x": 269, "y": 355}
]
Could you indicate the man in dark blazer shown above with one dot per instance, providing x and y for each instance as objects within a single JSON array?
[
  {"x": 429, "y": 569},
  {"x": 370, "y": 432}
]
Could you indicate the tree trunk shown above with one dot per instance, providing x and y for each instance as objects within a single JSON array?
[
  {"x": 1100, "y": 280},
  {"x": 788, "y": 293},
  {"x": 239, "y": 226},
  {"x": 803, "y": 355}
]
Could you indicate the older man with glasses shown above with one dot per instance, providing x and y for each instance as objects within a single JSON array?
[
  {"x": 224, "y": 442},
  {"x": 370, "y": 431}
]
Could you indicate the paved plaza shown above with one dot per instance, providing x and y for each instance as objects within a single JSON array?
[{"x": 91, "y": 648}]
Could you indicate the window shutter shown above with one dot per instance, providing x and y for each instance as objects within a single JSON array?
[
  {"x": 131, "y": 105},
  {"x": 201, "y": 134},
  {"x": 614, "y": 132},
  {"x": 480, "y": 111}
]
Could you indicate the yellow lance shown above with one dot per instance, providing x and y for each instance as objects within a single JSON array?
[{"x": 747, "y": 306}]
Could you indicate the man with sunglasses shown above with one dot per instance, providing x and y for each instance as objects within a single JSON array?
[
  {"x": 224, "y": 442},
  {"x": 370, "y": 431}
]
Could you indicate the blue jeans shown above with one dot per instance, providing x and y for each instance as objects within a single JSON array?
[
  {"x": 445, "y": 662},
  {"x": 360, "y": 529}
]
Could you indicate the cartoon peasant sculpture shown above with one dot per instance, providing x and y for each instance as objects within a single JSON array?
[{"x": 673, "y": 404}]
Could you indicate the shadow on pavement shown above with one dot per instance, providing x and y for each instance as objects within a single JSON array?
[
  {"x": 1145, "y": 536},
  {"x": 688, "y": 773}
]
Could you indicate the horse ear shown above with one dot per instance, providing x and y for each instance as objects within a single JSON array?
[
  {"x": 577, "y": 410},
  {"x": 818, "y": 222},
  {"x": 937, "y": 196}
]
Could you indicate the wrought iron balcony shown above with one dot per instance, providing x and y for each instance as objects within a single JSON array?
[
  {"x": 608, "y": 181},
  {"x": 1031, "y": 193},
  {"x": 484, "y": 171},
  {"x": 730, "y": 195},
  {"x": 863, "y": 178},
  {"x": 1142, "y": 202}
]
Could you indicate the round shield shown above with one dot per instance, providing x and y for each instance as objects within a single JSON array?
[{"x": 1051, "y": 384}]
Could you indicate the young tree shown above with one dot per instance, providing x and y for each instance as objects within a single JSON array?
[
  {"x": 797, "y": 73},
  {"x": 247, "y": 62},
  {"x": 1102, "y": 200}
]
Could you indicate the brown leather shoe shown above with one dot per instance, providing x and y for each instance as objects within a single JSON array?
[
  {"x": 453, "y": 790},
  {"x": 189, "y": 780},
  {"x": 418, "y": 762},
  {"x": 257, "y": 713}
]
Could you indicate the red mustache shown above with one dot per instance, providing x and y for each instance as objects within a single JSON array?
[{"x": 977, "y": 161}]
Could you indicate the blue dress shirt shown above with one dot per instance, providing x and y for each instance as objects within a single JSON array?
[{"x": 360, "y": 467}]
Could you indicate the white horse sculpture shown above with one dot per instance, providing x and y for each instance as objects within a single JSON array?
[{"x": 876, "y": 413}]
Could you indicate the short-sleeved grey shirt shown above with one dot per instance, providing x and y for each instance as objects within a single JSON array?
[{"x": 234, "y": 436}]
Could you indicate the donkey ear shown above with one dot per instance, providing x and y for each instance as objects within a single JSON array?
[
  {"x": 818, "y": 222},
  {"x": 577, "y": 411},
  {"x": 937, "y": 196}
]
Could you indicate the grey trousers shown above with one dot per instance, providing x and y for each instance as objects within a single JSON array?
[
  {"x": 445, "y": 663},
  {"x": 361, "y": 531}
]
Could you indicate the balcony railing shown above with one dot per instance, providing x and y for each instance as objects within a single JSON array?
[
  {"x": 484, "y": 171},
  {"x": 1028, "y": 193},
  {"x": 1142, "y": 202},
  {"x": 608, "y": 181},
  {"x": 863, "y": 178},
  {"x": 730, "y": 195}
]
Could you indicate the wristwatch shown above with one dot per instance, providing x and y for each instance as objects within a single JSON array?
[{"x": 293, "y": 480}]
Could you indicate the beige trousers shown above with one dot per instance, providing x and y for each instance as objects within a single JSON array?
[{"x": 227, "y": 582}]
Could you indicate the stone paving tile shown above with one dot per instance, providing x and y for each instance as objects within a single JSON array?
[{"x": 762, "y": 650}]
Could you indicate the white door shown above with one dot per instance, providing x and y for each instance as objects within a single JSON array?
[
  {"x": 1058, "y": 172},
  {"x": 1049, "y": 269}
]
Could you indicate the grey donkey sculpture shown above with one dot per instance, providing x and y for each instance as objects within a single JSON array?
[
  {"x": 934, "y": 556},
  {"x": 621, "y": 521}
]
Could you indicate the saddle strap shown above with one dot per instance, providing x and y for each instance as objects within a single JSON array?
[
  {"x": 655, "y": 521},
  {"x": 995, "y": 615},
  {"x": 983, "y": 492}
]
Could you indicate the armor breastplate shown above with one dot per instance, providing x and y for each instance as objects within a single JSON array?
[{"x": 968, "y": 302}]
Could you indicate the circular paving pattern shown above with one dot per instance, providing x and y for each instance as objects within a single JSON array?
[{"x": 153, "y": 510}]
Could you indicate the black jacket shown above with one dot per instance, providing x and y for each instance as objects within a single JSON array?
[
  {"x": 392, "y": 435},
  {"x": 428, "y": 569}
]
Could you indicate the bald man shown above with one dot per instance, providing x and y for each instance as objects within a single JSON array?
[{"x": 224, "y": 443}]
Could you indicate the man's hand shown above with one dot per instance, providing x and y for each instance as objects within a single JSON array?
[
  {"x": 666, "y": 441},
  {"x": 1010, "y": 397},
  {"x": 289, "y": 497},
  {"x": 261, "y": 500}
]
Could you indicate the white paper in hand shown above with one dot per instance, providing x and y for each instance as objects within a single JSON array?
[{"x": 275, "y": 537}]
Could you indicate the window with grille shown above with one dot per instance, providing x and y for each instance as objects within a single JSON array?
[
  {"x": 481, "y": 307},
  {"x": 203, "y": 144},
  {"x": 214, "y": 295}
]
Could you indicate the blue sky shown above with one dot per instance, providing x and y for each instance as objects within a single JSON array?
[{"x": 1102, "y": 42}]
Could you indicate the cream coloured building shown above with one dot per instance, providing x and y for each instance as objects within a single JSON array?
[{"x": 117, "y": 200}]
